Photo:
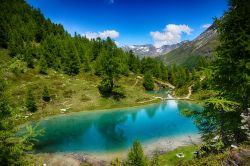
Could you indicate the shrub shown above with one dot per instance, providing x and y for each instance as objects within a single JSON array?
[
  {"x": 18, "y": 66},
  {"x": 118, "y": 92},
  {"x": 136, "y": 155},
  {"x": 105, "y": 88},
  {"x": 30, "y": 101},
  {"x": 148, "y": 82},
  {"x": 46, "y": 95}
]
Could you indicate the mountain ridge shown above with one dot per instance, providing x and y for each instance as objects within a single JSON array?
[
  {"x": 191, "y": 52},
  {"x": 149, "y": 50}
]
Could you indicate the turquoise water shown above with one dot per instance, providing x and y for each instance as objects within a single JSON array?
[{"x": 114, "y": 130}]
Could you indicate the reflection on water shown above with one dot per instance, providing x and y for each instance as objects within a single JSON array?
[{"x": 107, "y": 131}]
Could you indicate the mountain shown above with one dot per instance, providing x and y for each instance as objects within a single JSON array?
[
  {"x": 151, "y": 50},
  {"x": 189, "y": 53}
]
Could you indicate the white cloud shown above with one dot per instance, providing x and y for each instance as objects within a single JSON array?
[
  {"x": 170, "y": 35},
  {"x": 206, "y": 26},
  {"x": 107, "y": 33}
]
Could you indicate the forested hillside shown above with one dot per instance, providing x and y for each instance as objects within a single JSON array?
[
  {"x": 191, "y": 53},
  {"x": 34, "y": 41}
]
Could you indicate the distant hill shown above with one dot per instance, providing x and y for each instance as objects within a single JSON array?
[
  {"x": 189, "y": 53},
  {"x": 149, "y": 50}
]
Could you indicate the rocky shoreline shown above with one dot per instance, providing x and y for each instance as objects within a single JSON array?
[{"x": 162, "y": 145}]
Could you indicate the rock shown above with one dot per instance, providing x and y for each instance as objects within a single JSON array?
[
  {"x": 180, "y": 155},
  {"x": 63, "y": 109},
  {"x": 234, "y": 146}
]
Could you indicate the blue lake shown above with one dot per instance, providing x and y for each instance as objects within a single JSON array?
[{"x": 114, "y": 130}]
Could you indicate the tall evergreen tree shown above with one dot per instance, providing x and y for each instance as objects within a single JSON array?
[
  {"x": 46, "y": 95},
  {"x": 109, "y": 66},
  {"x": 30, "y": 101},
  {"x": 73, "y": 64},
  {"x": 136, "y": 155},
  {"x": 12, "y": 148},
  {"x": 221, "y": 118},
  {"x": 43, "y": 67},
  {"x": 148, "y": 82},
  {"x": 231, "y": 74}
]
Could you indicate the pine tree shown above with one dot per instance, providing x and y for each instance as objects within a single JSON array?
[
  {"x": 73, "y": 64},
  {"x": 148, "y": 82},
  {"x": 109, "y": 66},
  {"x": 230, "y": 82},
  {"x": 29, "y": 59},
  {"x": 231, "y": 74},
  {"x": 136, "y": 155},
  {"x": 155, "y": 159},
  {"x": 12, "y": 148},
  {"x": 46, "y": 95},
  {"x": 30, "y": 101},
  {"x": 116, "y": 162},
  {"x": 43, "y": 67}
]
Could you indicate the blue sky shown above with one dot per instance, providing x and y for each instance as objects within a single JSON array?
[{"x": 130, "y": 22}]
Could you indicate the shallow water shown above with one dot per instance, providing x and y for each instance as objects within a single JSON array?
[{"x": 114, "y": 130}]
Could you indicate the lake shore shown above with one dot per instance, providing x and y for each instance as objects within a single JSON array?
[{"x": 163, "y": 145}]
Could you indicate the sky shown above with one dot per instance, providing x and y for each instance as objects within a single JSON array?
[{"x": 131, "y": 22}]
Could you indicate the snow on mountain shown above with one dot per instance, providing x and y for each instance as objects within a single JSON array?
[{"x": 150, "y": 50}]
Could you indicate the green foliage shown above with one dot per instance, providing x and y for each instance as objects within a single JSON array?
[
  {"x": 136, "y": 155},
  {"x": 155, "y": 159},
  {"x": 30, "y": 101},
  {"x": 179, "y": 76},
  {"x": 72, "y": 67},
  {"x": 220, "y": 104},
  {"x": 220, "y": 122},
  {"x": 18, "y": 66},
  {"x": 28, "y": 55},
  {"x": 148, "y": 81},
  {"x": 43, "y": 67},
  {"x": 13, "y": 148},
  {"x": 170, "y": 158},
  {"x": 110, "y": 67},
  {"x": 231, "y": 72},
  {"x": 116, "y": 162},
  {"x": 133, "y": 62},
  {"x": 105, "y": 88},
  {"x": 46, "y": 95},
  {"x": 118, "y": 92},
  {"x": 182, "y": 91}
]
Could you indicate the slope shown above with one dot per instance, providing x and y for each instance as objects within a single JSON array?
[{"x": 191, "y": 52}]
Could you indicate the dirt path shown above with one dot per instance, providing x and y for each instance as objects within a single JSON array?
[
  {"x": 137, "y": 80},
  {"x": 165, "y": 84},
  {"x": 189, "y": 92}
]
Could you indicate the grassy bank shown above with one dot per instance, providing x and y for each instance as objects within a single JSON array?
[
  {"x": 240, "y": 156},
  {"x": 170, "y": 158}
]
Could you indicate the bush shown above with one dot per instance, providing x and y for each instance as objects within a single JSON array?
[
  {"x": 182, "y": 91},
  {"x": 18, "y": 66},
  {"x": 118, "y": 92},
  {"x": 46, "y": 95},
  {"x": 30, "y": 101},
  {"x": 136, "y": 155},
  {"x": 148, "y": 81},
  {"x": 105, "y": 88},
  {"x": 43, "y": 66},
  {"x": 116, "y": 162},
  {"x": 155, "y": 159}
]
